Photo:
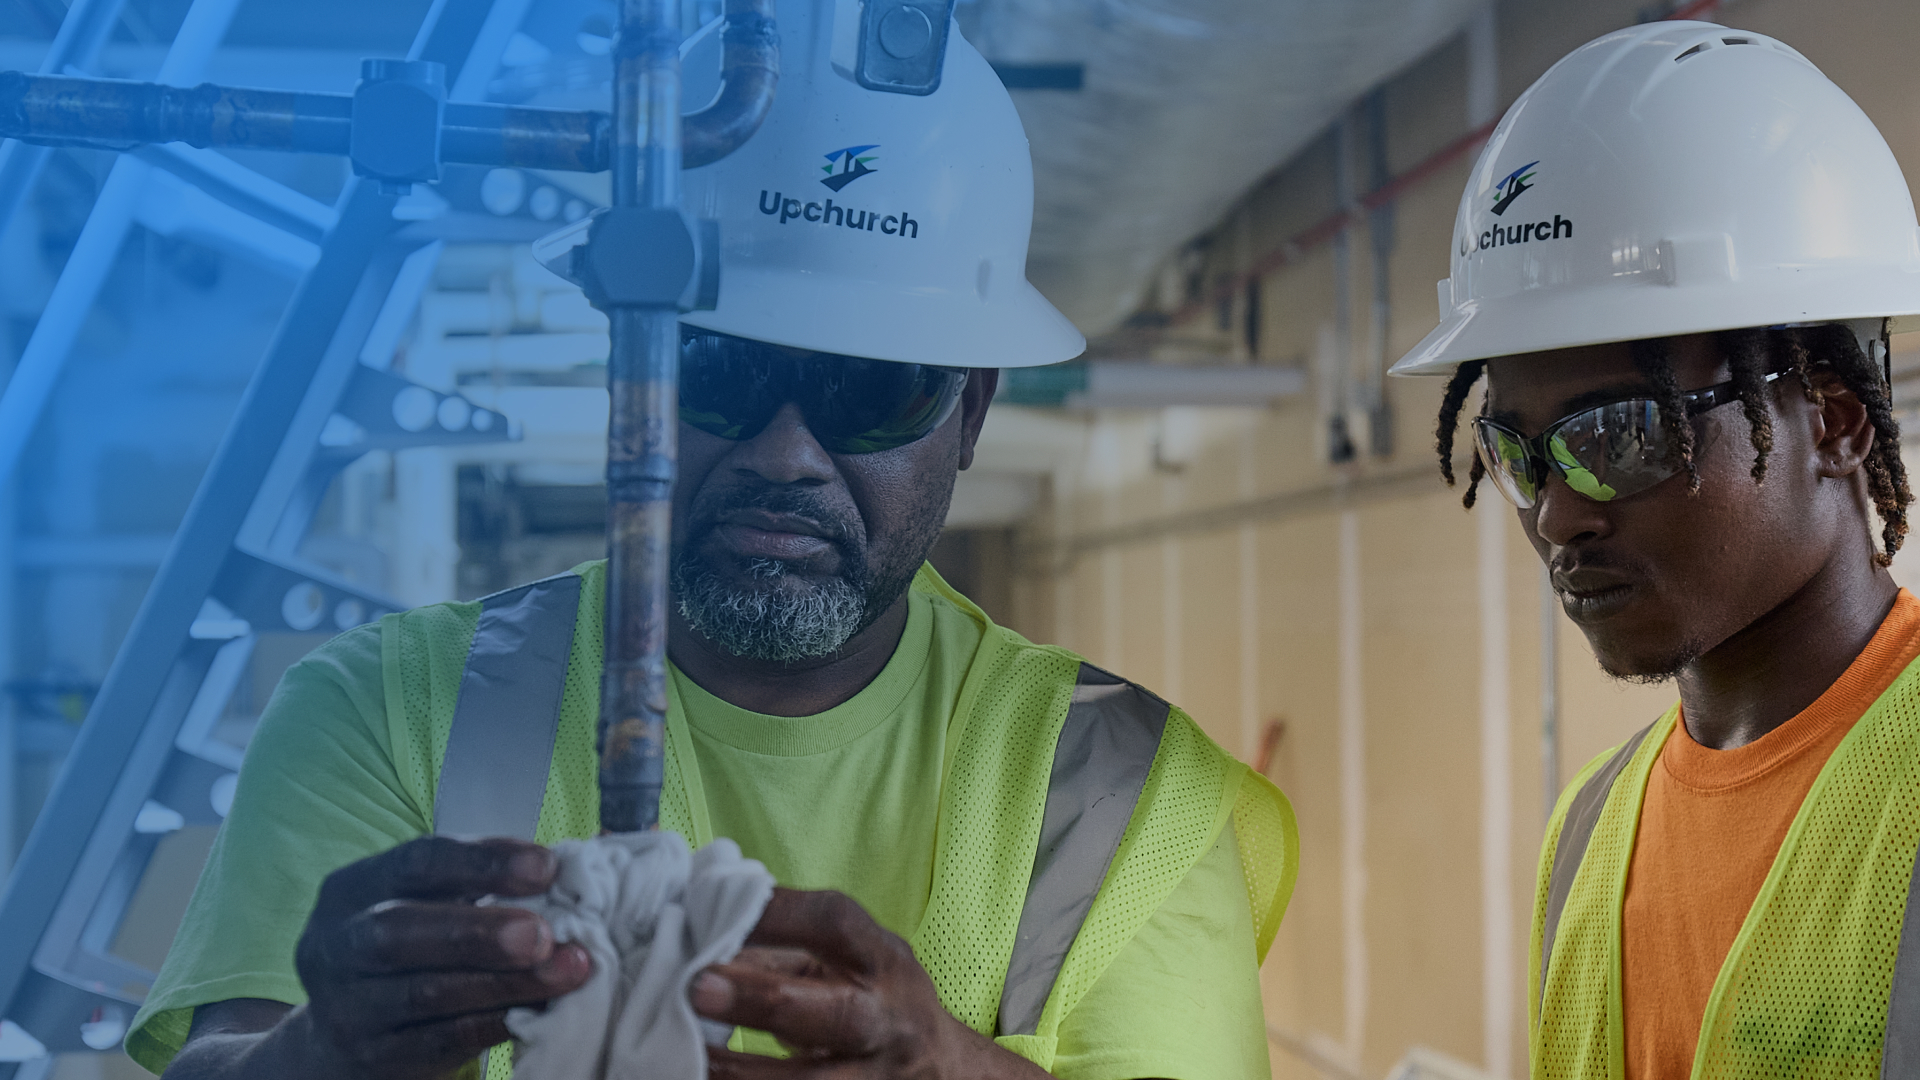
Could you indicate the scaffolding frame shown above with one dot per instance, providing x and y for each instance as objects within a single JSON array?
[{"x": 146, "y": 761}]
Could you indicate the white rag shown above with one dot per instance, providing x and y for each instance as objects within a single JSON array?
[{"x": 652, "y": 917}]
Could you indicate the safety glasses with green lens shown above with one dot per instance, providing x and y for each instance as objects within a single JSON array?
[{"x": 1604, "y": 453}]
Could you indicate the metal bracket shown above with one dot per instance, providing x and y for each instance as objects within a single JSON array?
[
  {"x": 275, "y": 594},
  {"x": 903, "y": 45},
  {"x": 392, "y": 413},
  {"x": 592, "y": 253},
  {"x": 397, "y": 111}
]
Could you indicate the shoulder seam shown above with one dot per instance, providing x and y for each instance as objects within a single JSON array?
[{"x": 519, "y": 588}]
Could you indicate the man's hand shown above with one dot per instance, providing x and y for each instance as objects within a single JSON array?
[
  {"x": 846, "y": 996},
  {"x": 406, "y": 977}
]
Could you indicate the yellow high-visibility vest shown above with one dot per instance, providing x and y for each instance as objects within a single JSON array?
[
  {"x": 1126, "y": 791},
  {"x": 1823, "y": 981}
]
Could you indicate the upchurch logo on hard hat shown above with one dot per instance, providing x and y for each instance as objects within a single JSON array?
[
  {"x": 1505, "y": 192},
  {"x": 1523, "y": 233},
  {"x": 1509, "y": 189},
  {"x": 775, "y": 204},
  {"x": 847, "y": 165}
]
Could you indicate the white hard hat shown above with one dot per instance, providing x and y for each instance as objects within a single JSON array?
[
  {"x": 882, "y": 225},
  {"x": 1673, "y": 178}
]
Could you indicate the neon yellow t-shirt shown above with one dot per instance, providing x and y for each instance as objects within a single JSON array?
[{"x": 846, "y": 799}]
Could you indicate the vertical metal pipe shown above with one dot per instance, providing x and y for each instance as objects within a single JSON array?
[
  {"x": 1380, "y": 233},
  {"x": 1498, "y": 962},
  {"x": 660, "y": 108},
  {"x": 1339, "y": 432},
  {"x": 643, "y": 387},
  {"x": 1483, "y": 68}
]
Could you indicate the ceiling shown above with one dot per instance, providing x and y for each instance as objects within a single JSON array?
[{"x": 1186, "y": 104}]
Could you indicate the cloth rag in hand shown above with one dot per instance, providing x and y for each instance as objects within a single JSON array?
[{"x": 652, "y": 917}]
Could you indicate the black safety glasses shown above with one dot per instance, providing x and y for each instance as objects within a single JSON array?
[
  {"x": 732, "y": 387},
  {"x": 1603, "y": 453}
]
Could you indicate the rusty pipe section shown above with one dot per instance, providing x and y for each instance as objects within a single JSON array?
[
  {"x": 113, "y": 114},
  {"x": 642, "y": 385},
  {"x": 750, "y": 71},
  {"x": 526, "y": 138},
  {"x": 643, "y": 366}
]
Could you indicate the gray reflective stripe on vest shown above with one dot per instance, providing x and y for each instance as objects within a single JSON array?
[
  {"x": 1576, "y": 830},
  {"x": 1900, "y": 1054},
  {"x": 1106, "y": 748},
  {"x": 494, "y": 776}
]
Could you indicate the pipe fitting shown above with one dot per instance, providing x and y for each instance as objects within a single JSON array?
[{"x": 750, "y": 72}]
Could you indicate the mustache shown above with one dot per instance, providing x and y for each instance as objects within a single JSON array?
[
  {"x": 842, "y": 525},
  {"x": 1568, "y": 564}
]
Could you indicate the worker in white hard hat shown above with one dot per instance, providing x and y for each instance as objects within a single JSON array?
[
  {"x": 1036, "y": 867},
  {"x": 1675, "y": 265}
]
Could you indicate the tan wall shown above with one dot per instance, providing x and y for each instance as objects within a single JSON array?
[{"x": 1350, "y": 602}]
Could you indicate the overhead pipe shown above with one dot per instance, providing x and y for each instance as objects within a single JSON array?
[
  {"x": 114, "y": 114},
  {"x": 118, "y": 114}
]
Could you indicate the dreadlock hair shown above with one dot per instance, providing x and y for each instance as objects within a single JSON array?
[
  {"x": 1752, "y": 355},
  {"x": 1653, "y": 356},
  {"x": 1839, "y": 351},
  {"x": 1750, "y": 359},
  {"x": 1458, "y": 387}
]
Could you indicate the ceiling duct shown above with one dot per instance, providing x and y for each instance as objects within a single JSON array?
[{"x": 1183, "y": 105}]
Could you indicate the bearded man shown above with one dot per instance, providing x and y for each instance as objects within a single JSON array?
[{"x": 997, "y": 859}]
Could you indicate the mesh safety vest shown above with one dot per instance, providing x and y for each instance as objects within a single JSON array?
[
  {"x": 1823, "y": 980},
  {"x": 1073, "y": 802}
]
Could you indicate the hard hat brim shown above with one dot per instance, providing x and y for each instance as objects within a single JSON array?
[
  {"x": 1543, "y": 320},
  {"x": 1013, "y": 327}
]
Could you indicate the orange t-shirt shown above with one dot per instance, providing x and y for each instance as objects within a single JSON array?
[{"x": 1710, "y": 826}]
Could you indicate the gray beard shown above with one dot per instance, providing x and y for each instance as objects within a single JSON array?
[{"x": 786, "y": 621}]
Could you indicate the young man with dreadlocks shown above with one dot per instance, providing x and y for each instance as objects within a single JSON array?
[{"x": 1726, "y": 895}]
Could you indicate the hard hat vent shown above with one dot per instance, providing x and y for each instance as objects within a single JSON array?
[{"x": 1722, "y": 40}]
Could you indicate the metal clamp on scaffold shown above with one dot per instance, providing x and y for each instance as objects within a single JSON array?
[
  {"x": 681, "y": 270},
  {"x": 399, "y": 110}
]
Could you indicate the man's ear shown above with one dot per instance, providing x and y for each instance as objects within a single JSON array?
[
  {"x": 1843, "y": 432},
  {"x": 974, "y": 399}
]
